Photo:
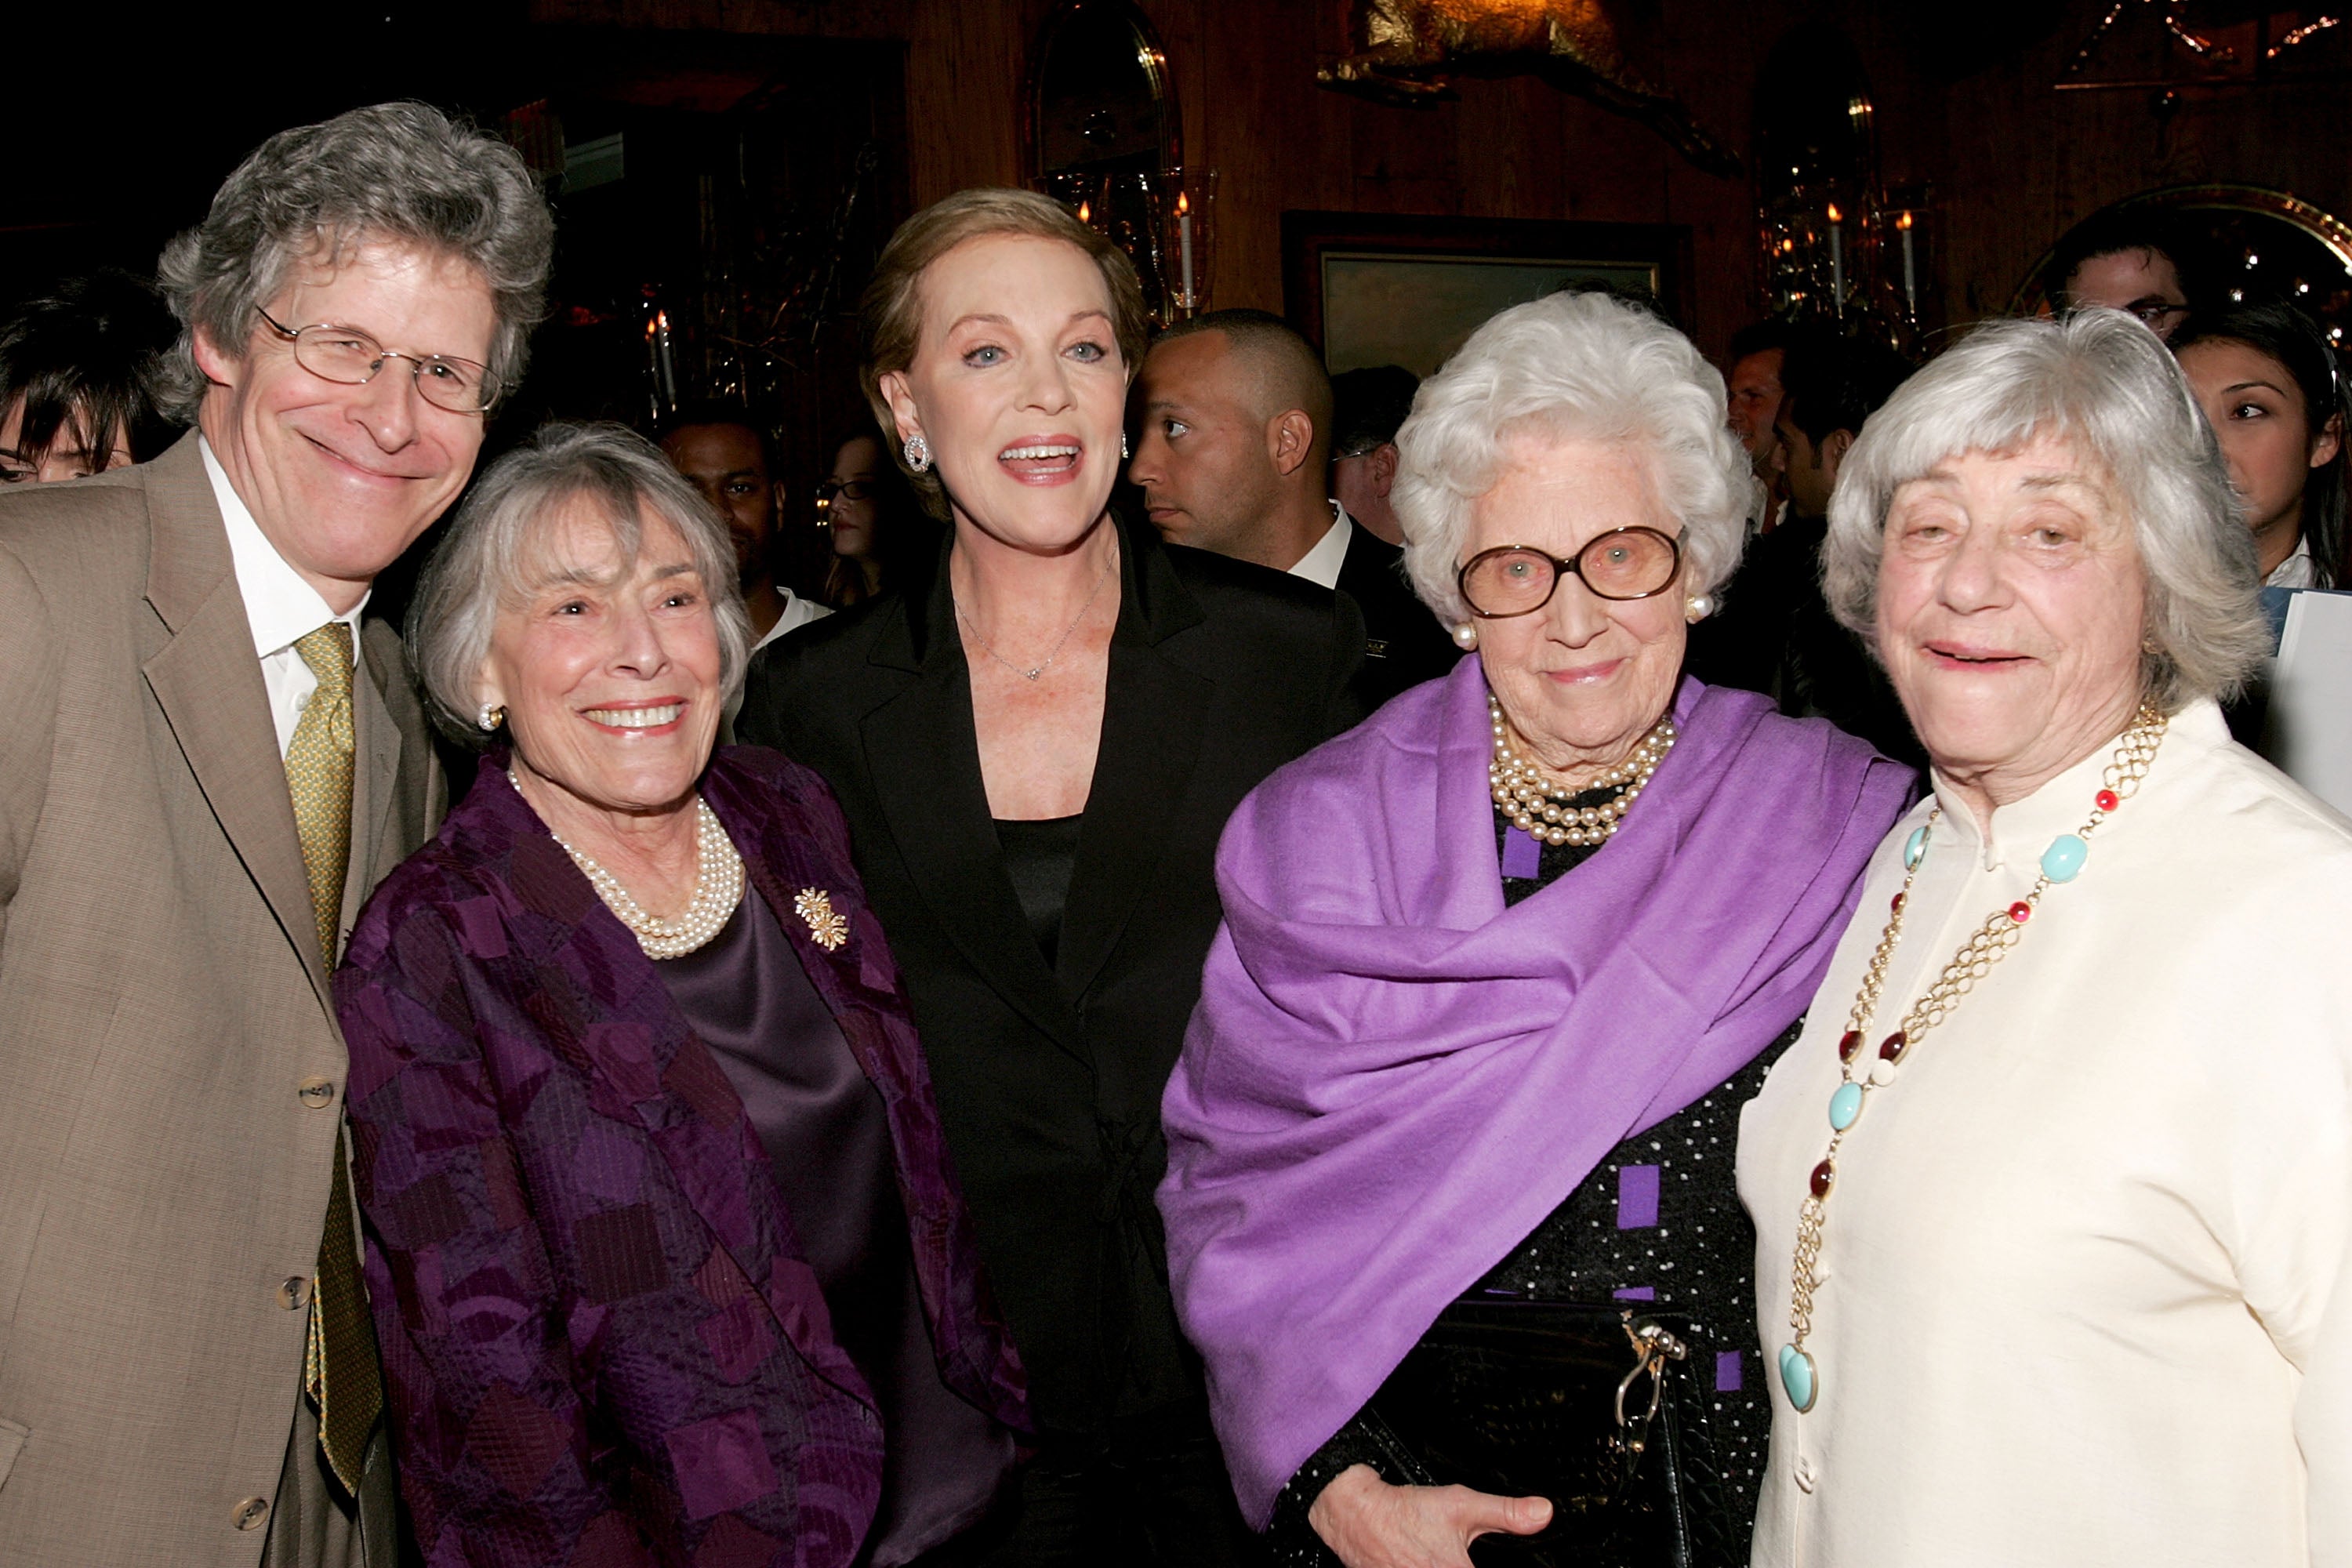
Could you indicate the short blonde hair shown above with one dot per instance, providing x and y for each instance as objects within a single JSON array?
[{"x": 891, "y": 312}]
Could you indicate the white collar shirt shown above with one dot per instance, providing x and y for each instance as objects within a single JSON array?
[
  {"x": 279, "y": 606},
  {"x": 1321, "y": 564},
  {"x": 2295, "y": 571}
]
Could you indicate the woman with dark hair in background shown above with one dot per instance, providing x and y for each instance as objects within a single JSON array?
[
  {"x": 2272, "y": 389},
  {"x": 877, "y": 529},
  {"x": 78, "y": 392}
]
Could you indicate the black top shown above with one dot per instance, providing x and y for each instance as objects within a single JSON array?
[
  {"x": 1660, "y": 1220},
  {"x": 1039, "y": 856},
  {"x": 1776, "y": 635},
  {"x": 821, "y": 1122},
  {"x": 1049, "y": 1077},
  {"x": 1403, "y": 644}
]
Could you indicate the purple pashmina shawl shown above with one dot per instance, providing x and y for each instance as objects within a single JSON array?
[{"x": 1390, "y": 1078}]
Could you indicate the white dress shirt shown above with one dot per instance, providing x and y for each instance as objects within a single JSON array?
[
  {"x": 798, "y": 613},
  {"x": 2086, "y": 1276},
  {"x": 2295, "y": 571},
  {"x": 1321, "y": 564},
  {"x": 279, "y": 605}
]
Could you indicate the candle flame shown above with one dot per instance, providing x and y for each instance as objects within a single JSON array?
[
  {"x": 1183, "y": 205},
  {"x": 1085, "y": 212},
  {"x": 1835, "y": 216},
  {"x": 1903, "y": 222}
]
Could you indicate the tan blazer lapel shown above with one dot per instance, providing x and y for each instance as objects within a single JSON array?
[
  {"x": 375, "y": 781},
  {"x": 208, "y": 684}
]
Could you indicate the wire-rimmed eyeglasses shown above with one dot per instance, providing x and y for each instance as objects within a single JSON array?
[
  {"x": 351, "y": 357},
  {"x": 1518, "y": 579}
]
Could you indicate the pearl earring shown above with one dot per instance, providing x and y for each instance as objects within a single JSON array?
[
  {"x": 1698, "y": 608},
  {"x": 490, "y": 717},
  {"x": 1467, "y": 634},
  {"x": 918, "y": 454}
]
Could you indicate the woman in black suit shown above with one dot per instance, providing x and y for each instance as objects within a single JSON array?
[{"x": 1037, "y": 742}]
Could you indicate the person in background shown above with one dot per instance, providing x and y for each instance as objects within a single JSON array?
[
  {"x": 2144, "y": 263},
  {"x": 1231, "y": 454},
  {"x": 1775, "y": 633},
  {"x": 2053, "y": 1196},
  {"x": 2271, "y": 387},
  {"x": 876, "y": 529},
  {"x": 1367, "y": 407},
  {"x": 80, "y": 379},
  {"x": 732, "y": 462},
  {"x": 700, "y": 1253},
  {"x": 213, "y": 756},
  {"x": 1457, "y": 1007},
  {"x": 1753, "y": 396},
  {"x": 1036, "y": 742}
]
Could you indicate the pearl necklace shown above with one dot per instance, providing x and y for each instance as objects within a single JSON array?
[
  {"x": 1540, "y": 808},
  {"x": 717, "y": 888},
  {"x": 1986, "y": 946}
]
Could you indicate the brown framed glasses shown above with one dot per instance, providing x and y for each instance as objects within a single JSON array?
[
  {"x": 347, "y": 355},
  {"x": 1518, "y": 579}
]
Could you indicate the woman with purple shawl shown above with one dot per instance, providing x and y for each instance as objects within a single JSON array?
[{"x": 1421, "y": 1069}]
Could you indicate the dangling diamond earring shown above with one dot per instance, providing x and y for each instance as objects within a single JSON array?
[
  {"x": 1467, "y": 634},
  {"x": 1698, "y": 608},
  {"x": 490, "y": 717},
  {"x": 1123, "y": 452},
  {"x": 918, "y": 454}
]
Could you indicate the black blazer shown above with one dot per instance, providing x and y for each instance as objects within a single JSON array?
[
  {"x": 1403, "y": 644},
  {"x": 1049, "y": 1080}
]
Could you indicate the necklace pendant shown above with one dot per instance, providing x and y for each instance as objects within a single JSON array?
[{"x": 1799, "y": 1378}]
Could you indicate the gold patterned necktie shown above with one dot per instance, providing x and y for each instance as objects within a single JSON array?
[{"x": 339, "y": 1369}]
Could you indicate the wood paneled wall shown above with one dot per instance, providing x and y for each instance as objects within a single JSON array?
[{"x": 2012, "y": 161}]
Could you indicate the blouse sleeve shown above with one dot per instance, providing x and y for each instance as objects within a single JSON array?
[{"x": 489, "y": 1423}]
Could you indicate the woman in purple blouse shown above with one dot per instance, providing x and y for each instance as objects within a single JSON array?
[{"x": 666, "y": 1258}]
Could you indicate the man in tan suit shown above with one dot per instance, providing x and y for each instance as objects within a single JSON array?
[{"x": 206, "y": 761}]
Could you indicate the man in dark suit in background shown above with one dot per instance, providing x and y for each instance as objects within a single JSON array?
[{"x": 1233, "y": 456}]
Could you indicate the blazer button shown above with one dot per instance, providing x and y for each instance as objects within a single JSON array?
[
  {"x": 250, "y": 1513},
  {"x": 294, "y": 1294},
  {"x": 318, "y": 1093}
]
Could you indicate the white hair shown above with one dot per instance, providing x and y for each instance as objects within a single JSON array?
[
  {"x": 2105, "y": 382},
  {"x": 1577, "y": 365},
  {"x": 496, "y": 545}
]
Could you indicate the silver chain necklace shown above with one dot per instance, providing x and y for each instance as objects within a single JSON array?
[{"x": 1047, "y": 663}]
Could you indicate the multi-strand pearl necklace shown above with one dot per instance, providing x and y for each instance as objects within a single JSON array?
[
  {"x": 717, "y": 888},
  {"x": 1860, "y": 1078},
  {"x": 1540, "y": 808}
]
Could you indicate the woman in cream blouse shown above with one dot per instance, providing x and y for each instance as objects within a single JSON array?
[{"x": 2052, "y": 1197}]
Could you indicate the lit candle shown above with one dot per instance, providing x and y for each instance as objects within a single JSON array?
[
  {"x": 667, "y": 368},
  {"x": 1184, "y": 244},
  {"x": 1837, "y": 261},
  {"x": 1085, "y": 212},
  {"x": 1910, "y": 269}
]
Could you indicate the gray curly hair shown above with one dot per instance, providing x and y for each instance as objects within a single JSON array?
[
  {"x": 1571, "y": 365},
  {"x": 394, "y": 171},
  {"x": 2106, "y": 381},
  {"x": 495, "y": 552}
]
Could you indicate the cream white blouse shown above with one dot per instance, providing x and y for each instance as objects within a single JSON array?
[{"x": 2085, "y": 1286}]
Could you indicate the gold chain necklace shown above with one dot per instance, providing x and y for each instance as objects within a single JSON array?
[
  {"x": 1540, "y": 808},
  {"x": 1987, "y": 945}
]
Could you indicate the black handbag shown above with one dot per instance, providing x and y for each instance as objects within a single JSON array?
[{"x": 1592, "y": 1405}]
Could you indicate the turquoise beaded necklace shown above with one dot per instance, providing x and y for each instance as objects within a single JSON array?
[{"x": 2061, "y": 862}]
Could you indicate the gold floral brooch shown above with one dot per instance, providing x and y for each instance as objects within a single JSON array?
[{"x": 827, "y": 927}]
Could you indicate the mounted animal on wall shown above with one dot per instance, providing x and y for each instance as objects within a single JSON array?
[{"x": 1413, "y": 51}]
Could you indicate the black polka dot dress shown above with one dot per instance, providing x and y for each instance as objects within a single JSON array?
[{"x": 1658, "y": 1220}]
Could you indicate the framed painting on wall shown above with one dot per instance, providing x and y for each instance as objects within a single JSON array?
[{"x": 1407, "y": 291}]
